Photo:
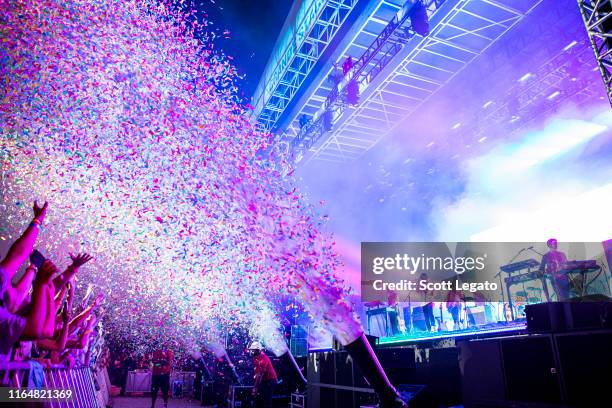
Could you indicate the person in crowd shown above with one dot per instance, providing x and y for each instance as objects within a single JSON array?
[
  {"x": 162, "y": 361},
  {"x": 127, "y": 364},
  {"x": 77, "y": 261},
  {"x": 29, "y": 326},
  {"x": 265, "y": 377},
  {"x": 551, "y": 264},
  {"x": 58, "y": 343}
]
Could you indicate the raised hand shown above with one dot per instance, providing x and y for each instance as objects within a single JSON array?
[
  {"x": 70, "y": 287},
  {"x": 98, "y": 300},
  {"x": 40, "y": 212},
  {"x": 46, "y": 272},
  {"x": 80, "y": 259}
]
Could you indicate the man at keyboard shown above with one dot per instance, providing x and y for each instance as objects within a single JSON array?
[{"x": 551, "y": 265}]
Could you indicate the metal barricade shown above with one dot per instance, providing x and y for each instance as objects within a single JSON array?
[{"x": 16, "y": 374}]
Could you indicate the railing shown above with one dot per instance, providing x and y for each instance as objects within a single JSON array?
[{"x": 32, "y": 376}]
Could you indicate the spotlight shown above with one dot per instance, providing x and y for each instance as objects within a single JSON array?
[
  {"x": 327, "y": 120},
  {"x": 352, "y": 92},
  {"x": 304, "y": 120},
  {"x": 419, "y": 19}
]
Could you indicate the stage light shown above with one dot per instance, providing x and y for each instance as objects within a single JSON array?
[
  {"x": 352, "y": 92},
  {"x": 327, "y": 120},
  {"x": 419, "y": 19},
  {"x": 570, "y": 45},
  {"x": 456, "y": 125},
  {"x": 482, "y": 139},
  {"x": 487, "y": 104},
  {"x": 304, "y": 119},
  {"x": 525, "y": 77},
  {"x": 553, "y": 95}
]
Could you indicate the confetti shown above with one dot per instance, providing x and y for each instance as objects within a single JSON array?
[{"x": 124, "y": 118}]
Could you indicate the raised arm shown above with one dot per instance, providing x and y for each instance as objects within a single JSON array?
[
  {"x": 77, "y": 261},
  {"x": 84, "y": 337},
  {"x": 59, "y": 343},
  {"x": 22, "y": 247},
  {"x": 36, "y": 317},
  {"x": 86, "y": 312},
  {"x": 19, "y": 292},
  {"x": 59, "y": 297}
]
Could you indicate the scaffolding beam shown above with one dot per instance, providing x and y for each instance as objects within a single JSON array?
[{"x": 597, "y": 17}]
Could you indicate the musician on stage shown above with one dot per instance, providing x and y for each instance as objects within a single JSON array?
[
  {"x": 552, "y": 262},
  {"x": 393, "y": 317},
  {"x": 426, "y": 296},
  {"x": 453, "y": 305}
]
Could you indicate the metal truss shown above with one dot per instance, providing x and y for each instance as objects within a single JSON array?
[
  {"x": 466, "y": 29},
  {"x": 597, "y": 17},
  {"x": 302, "y": 53},
  {"x": 553, "y": 83},
  {"x": 373, "y": 60}
]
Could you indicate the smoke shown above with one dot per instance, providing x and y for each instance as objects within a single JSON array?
[
  {"x": 267, "y": 329},
  {"x": 553, "y": 181}
]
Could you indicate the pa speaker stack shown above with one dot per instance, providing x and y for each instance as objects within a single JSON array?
[
  {"x": 335, "y": 381},
  {"x": 564, "y": 362},
  {"x": 559, "y": 317}
]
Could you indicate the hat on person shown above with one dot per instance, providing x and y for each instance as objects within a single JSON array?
[{"x": 255, "y": 346}]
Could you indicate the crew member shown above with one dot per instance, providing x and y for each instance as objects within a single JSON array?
[
  {"x": 162, "y": 366},
  {"x": 552, "y": 262},
  {"x": 265, "y": 377}
]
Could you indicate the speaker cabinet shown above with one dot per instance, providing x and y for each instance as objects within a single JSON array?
[
  {"x": 482, "y": 375},
  {"x": 332, "y": 377},
  {"x": 586, "y": 362},
  {"x": 519, "y": 369},
  {"x": 584, "y": 315},
  {"x": 545, "y": 317},
  {"x": 399, "y": 364},
  {"x": 334, "y": 380},
  {"x": 530, "y": 369}
]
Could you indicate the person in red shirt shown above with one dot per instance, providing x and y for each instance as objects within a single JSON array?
[
  {"x": 162, "y": 366},
  {"x": 265, "y": 377}
]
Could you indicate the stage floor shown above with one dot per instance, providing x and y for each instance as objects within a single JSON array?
[{"x": 484, "y": 331}]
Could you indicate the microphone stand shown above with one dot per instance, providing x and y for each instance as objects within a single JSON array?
[
  {"x": 533, "y": 250},
  {"x": 501, "y": 287},
  {"x": 544, "y": 281}
]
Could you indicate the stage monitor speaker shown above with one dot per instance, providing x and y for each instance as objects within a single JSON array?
[
  {"x": 545, "y": 317},
  {"x": 581, "y": 314},
  {"x": 585, "y": 361},
  {"x": 530, "y": 369}
]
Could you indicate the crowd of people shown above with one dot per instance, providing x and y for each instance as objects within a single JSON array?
[{"x": 41, "y": 319}]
